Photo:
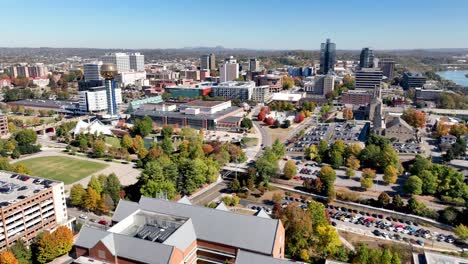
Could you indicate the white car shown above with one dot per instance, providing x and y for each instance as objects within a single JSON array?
[{"x": 82, "y": 216}]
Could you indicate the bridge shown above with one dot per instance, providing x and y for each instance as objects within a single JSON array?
[{"x": 242, "y": 168}]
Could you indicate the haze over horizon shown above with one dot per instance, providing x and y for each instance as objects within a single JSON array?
[{"x": 261, "y": 25}]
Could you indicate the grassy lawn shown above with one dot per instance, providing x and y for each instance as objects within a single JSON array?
[
  {"x": 68, "y": 170},
  {"x": 249, "y": 141},
  {"x": 113, "y": 141}
]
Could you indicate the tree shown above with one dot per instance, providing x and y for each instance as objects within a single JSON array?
[
  {"x": 95, "y": 184},
  {"x": 414, "y": 118},
  {"x": 235, "y": 185},
  {"x": 167, "y": 131},
  {"x": 143, "y": 127},
  {"x": 99, "y": 148},
  {"x": 311, "y": 152},
  {"x": 137, "y": 144},
  {"x": 269, "y": 121},
  {"x": 55, "y": 244},
  {"x": 413, "y": 185},
  {"x": 349, "y": 173},
  {"x": 289, "y": 169},
  {"x": 261, "y": 116},
  {"x": 277, "y": 123},
  {"x": 353, "y": 163},
  {"x": 461, "y": 231},
  {"x": 386, "y": 257},
  {"x": 286, "y": 123},
  {"x": 21, "y": 252},
  {"x": 101, "y": 205},
  {"x": 383, "y": 199},
  {"x": 126, "y": 142},
  {"x": 77, "y": 195},
  {"x": 322, "y": 150},
  {"x": 112, "y": 187},
  {"x": 395, "y": 259},
  {"x": 430, "y": 182},
  {"x": 347, "y": 113},
  {"x": 91, "y": 200},
  {"x": 7, "y": 257},
  {"x": 299, "y": 117},
  {"x": 26, "y": 137},
  {"x": 328, "y": 176},
  {"x": 367, "y": 182},
  {"x": 336, "y": 159},
  {"x": 288, "y": 82},
  {"x": 304, "y": 255},
  {"x": 246, "y": 123},
  {"x": 278, "y": 149},
  {"x": 368, "y": 173},
  {"x": 167, "y": 145},
  {"x": 397, "y": 202},
  {"x": 390, "y": 174}
]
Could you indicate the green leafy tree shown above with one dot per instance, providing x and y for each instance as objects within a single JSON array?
[
  {"x": 91, "y": 200},
  {"x": 112, "y": 187},
  {"x": 336, "y": 159},
  {"x": 461, "y": 231},
  {"x": 430, "y": 182},
  {"x": 127, "y": 142},
  {"x": 383, "y": 199},
  {"x": 413, "y": 185},
  {"x": 99, "y": 148},
  {"x": 167, "y": 146},
  {"x": 353, "y": 163},
  {"x": 167, "y": 131},
  {"x": 290, "y": 169},
  {"x": 77, "y": 195},
  {"x": 390, "y": 174},
  {"x": 153, "y": 188},
  {"x": 397, "y": 202},
  {"x": 328, "y": 176},
  {"x": 143, "y": 127},
  {"x": 26, "y": 137},
  {"x": 246, "y": 123},
  {"x": 366, "y": 183},
  {"x": 22, "y": 252},
  {"x": 95, "y": 184}
]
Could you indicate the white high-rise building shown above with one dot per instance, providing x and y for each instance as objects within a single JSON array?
[
  {"x": 121, "y": 60},
  {"x": 229, "y": 70},
  {"x": 92, "y": 71},
  {"x": 137, "y": 61},
  {"x": 95, "y": 99}
]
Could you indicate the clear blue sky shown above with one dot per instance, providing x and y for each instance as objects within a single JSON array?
[{"x": 259, "y": 24}]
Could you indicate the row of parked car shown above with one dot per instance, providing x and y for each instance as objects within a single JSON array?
[{"x": 403, "y": 227}]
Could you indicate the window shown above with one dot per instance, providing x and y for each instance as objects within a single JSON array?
[{"x": 101, "y": 254}]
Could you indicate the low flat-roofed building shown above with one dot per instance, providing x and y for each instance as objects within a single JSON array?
[
  {"x": 189, "y": 91},
  {"x": 29, "y": 206},
  {"x": 135, "y": 104},
  {"x": 46, "y": 104},
  {"x": 160, "y": 231},
  {"x": 428, "y": 257},
  {"x": 209, "y": 115},
  {"x": 288, "y": 97}
]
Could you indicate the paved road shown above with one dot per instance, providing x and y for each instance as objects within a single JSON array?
[
  {"x": 92, "y": 219},
  {"x": 125, "y": 172},
  {"x": 211, "y": 194}
]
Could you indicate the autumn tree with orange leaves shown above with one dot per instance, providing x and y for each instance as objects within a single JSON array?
[
  {"x": 55, "y": 244},
  {"x": 7, "y": 257},
  {"x": 415, "y": 118},
  {"x": 347, "y": 113}
]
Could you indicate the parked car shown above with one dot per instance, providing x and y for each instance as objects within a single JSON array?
[
  {"x": 103, "y": 222},
  {"x": 82, "y": 216}
]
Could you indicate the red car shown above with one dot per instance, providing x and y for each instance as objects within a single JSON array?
[{"x": 102, "y": 222}]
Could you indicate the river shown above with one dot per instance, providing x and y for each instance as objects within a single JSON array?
[{"x": 456, "y": 76}]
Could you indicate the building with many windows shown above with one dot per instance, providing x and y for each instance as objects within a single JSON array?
[
  {"x": 160, "y": 231},
  {"x": 321, "y": 85},
  {"x": 413, "y": 80},
  {"x": 229, "y": 70},
  {"x": 137, "y": 61},
  {"x": 368, "y": 78},
  {"x": 388, "y": 67},
  {"x": 94, "y": 99},
  {"x": 254, "y": 65},
  {"x": 274, "y": 82},
  {"x": 121, "y": 60},
  {"x": 366, "y": 59},
  {"x": 327, "y": 56},
  {"x": 92, "y": 71},
  {"x": 208, "y": 62},
  {"x": 29, "y": 206},
  {"x": 234, "y": 90},
  {"x": 3, "y": 125}
]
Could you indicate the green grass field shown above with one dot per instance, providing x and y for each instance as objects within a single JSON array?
[
  {"x": 115, "y": 142},
  {"x": 68, "y": 170}
]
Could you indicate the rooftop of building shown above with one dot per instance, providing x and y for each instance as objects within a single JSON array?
[
  {"x": 413, "y": 74},
  {"x": 200, "y": 116},
  {"x": 202, "y": 85},
  {"x": 436, "y": 258},
  {"x": 210, "y": 224},
  {"x": 46, "y": 103},
  {"x": 151, "y": 229},
  {"x": 201, "y": 103},
  {"x": 14, "y": 186},
  {"x": 236, "y": 84}
]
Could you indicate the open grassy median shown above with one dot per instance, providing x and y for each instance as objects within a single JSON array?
[{"x": 66, "y": 169}]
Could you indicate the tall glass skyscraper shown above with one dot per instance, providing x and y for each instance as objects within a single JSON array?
[
  {"x": 327, "y": 56},
  {"x": 366, "y": 60}
]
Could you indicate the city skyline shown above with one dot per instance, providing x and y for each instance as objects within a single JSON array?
[{"x": 240, "y": 24}]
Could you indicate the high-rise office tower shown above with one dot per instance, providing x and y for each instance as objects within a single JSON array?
[
  {"x": 108, "y": 72},
  {"x": 254, "y": 65},
  {"x": 92, "y": 71},
  {"x": 137, "y": 61},
  {"x": 388, "y": 67},
  {"x": 229, "y": 70},
  {"x": 208, "y": 62},
  {"x": 368, "y": 78},
  {"x": 327, "y": 56},
  {"x": 366, "y": 60},
  {"x": 120, "y": 60}
]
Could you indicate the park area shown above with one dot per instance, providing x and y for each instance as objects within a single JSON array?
[{"x": 66, "y": 169}]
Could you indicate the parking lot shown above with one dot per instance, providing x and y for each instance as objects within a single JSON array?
[
  {"x": 386, "y": 227},
  {"x": 347, "y": 132},
  {"x": 408, "y": 148}
]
